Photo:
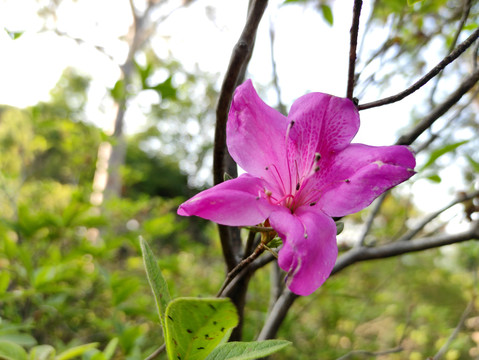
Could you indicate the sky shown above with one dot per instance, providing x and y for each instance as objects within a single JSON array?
[{"x": 310, "y": 55}]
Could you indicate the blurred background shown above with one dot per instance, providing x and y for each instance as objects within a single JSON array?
[{"x": 106, "y": 125}]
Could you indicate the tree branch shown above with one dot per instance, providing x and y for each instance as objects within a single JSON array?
[
  {"x": 440, "y": 110},
  {"x": 465, "y": 15},
  {"x": 440, "y": 66},
  {"x": 413, "y": 232},
  {"x": 456, "y": 331},
  {"x": 371, "y": 353},
  {"x": 238, "y": 61},
  {"x": 372, "y": 215},
  {"x": 286, "y": 300},
  {"x": 353, "y": 43},
  {"x": 402, "y": 247},
  {"x": 277, "y": 315}
]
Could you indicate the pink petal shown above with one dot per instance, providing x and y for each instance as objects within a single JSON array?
[
  {"x": 234, "y": 202},
  {"x": 359, "y": 174},
  {"x": 323, "y": 124},
  {"x": 310, "y": 251},
  {"x": 256, "y": 134}
]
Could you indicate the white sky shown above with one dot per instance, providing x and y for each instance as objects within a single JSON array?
[{"x": 311, "y": 56}]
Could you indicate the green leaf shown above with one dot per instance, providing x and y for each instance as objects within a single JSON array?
[
  {"x": 474, "y": 164},
  {"x": 110, "y": 348},
  {"x": 194, "y": 327},
  {"x": 327, "y": 14},
  {"x": 434, "y": 178},
  {"x": 11, "y": 351},
  {"x": 412, "y": 2},
  {"x": 157, "y": 281},
  {"x": 440, "y": 152},
  {"x": 166, "y": 89},
  {"x": 276, "y": 242},
  {"x": 293, "y": 1},
  {"x": 118, "y": 92},
  {"x": 247, "y": 350},
  {"x": 4, "y": 281},
  {"x": 76, "y": 351},
  {"x": 42, "y": 352},
  {"x": 339, "y": 227},
  {"x": 227, "y": 177}
]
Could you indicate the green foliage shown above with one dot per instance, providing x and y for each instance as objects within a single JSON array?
[
  {"x": 246, "y": 350},
  {"x": 157, "y": 282},
  {"x": 11, "y": 351},
  {"x": 436, "y": 154},
  {"x": 327, "y": 14},
  {"x": 194, "y": 327}
]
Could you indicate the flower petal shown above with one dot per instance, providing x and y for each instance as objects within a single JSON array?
[
  {"x": 359, "y": 174},
  {"x": 256, "y": 134},
  {"x": 323, "y": 124},
  {"x": 235, "y": 202},
  {"x": 309, "y": 252}
]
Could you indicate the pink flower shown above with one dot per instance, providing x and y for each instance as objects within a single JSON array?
[{"x": 302, "y": 170}]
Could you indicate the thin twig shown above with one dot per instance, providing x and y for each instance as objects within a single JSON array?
[
  {"x": 372, "y": 215},
  {"x": 371, "y": 353},
  {"x": 353, "y": 43},
  {"x": 460, "y": 26},
  {"x": 439, "y": 67},
  {"x": 403, "y": 247},
  {"x": 238, "y": 268},
  {"x": 281, "y": 107},
  {"x": 440, "y": 110},
  {"x": 157, "y": 352},
  {"x": 413, "y": 232},
  {"x": 238, "y": 61},
  {"x": 286, "y": 300},
  {"x": 456, "y": 331}
]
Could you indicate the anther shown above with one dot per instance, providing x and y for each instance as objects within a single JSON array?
[
  {"x": 305, "y": 236},
  {"x": 291, "y": 123},
  {"x": 316, "y": 169},
  {"x": 312, "y": 204},
  {"x": 317, "y": 157},
  {"x": 257, "y": 198},
  {"x": 347, "y": 181},
  {"x": 268, "y": 193},
  {"x": 297, "y": 186},
  {"x": 266, "y": 168}
]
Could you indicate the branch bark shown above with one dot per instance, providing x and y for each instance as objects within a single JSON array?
[
  {"x": 286, "y": 300},
  {"x": 439, "y": 67},
  {"x": 241, "y": 53},
  {"x": 353, "y": 43},
  {"x": 439, "y": 110}
]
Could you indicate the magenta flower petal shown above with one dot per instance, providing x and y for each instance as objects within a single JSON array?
[
  {"x": 256, "y": 134},
  {"x": 234, "y": 202},
  {"x": 323, "y": 124},
  {"x": 360, "y": 173},
  {"x": 309, "y": 252}
]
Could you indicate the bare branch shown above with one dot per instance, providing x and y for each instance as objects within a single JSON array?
[
  {"x": 403, "y": 247},
  {"x": 156, "y": 353},
  {"x": 353, "y": 43},
  {"x": 465, "y": 15},
  {"x": 439, "y": 67},
  {"x": 241, "y": 53},
  {"x": 413, "y": 232},
  {"x": 371, "y": 353},
  {"x": 372, "y": 215},
  {"x": 440, "y": 110},
  {"x": 456, "y": 331},
  {"x": 277, "y": 315},
  {"x": 281, "y": 107}
]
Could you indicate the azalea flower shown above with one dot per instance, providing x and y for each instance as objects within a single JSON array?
[{"x": 301, "y": 171}]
